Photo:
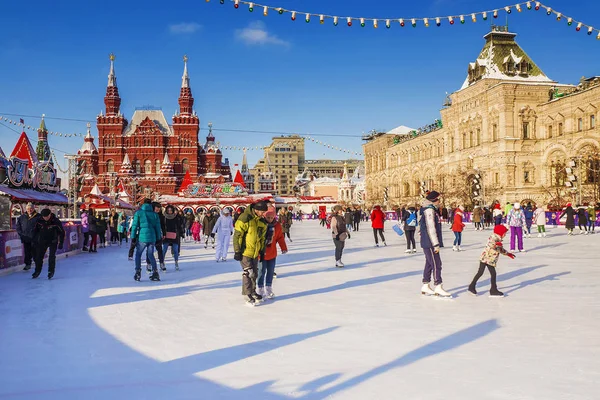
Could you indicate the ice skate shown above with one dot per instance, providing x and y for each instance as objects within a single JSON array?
[
  {"x": 270, "y": 294},
  {"x": 522, "y": 251},
  {"x": 384, "y": 243},
  {"x": 250, "y": 302},
  {"x": 414, "y": 250},
  {"x": 258, "y": 298},
  {"x": 137, "y": 276},
  {"x": 162, "y": 267},
  {"x": 129, "y": 258},
  {"x": 458, "y": 248},
  {"x": 35, "y": 275},
  {"x": 539, "y": 235},
  {"x": 50, "y": 275},
  {"x": 408, "y": 251},
  {"x": 176, "y": 265},
  {"x": 426, "y": 290},
  {"x": 27, "y": 267},
  {"x": 148, "y": 268},
  {"x": 376, "y": 244},
  {"x": 339, "y": 264},
  {"x": 472, "y": 290},
  {"x": 454, "y": 248},
  {"x": 260, "y": 291},
  {"x": 218, "y": 259},
  {"x": 439, "y": 291},
  {"x": 223, "y": 259},
  {"x": 85, "y": 248},
  {"x": 496, "y": 293},
  {"x": 544, "y": 234},
  {"x": 155, "y": 277}
]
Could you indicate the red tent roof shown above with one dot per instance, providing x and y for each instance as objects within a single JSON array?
[
  {"x": 187, "y": 181},
  {"x": 24, "y": 150},
  {"x": 239, "y": 179}
]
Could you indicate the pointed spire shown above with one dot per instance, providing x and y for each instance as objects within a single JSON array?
[
  {"x": 112, "y": 78},
  {"x": 245, "y": 162},
  {"x": 185, "y": 79},
  {"x": 43, "y": 125},
  {"x": 96, "y": 190},
  {"x": 126, "y": 167},
  {"x": 88, "y": 142},
  {"x": 166, "y": 167}
]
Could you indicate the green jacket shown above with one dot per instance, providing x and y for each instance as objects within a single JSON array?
[
  {"x": 250, "y": 234},
  {"x": 507, "y": 209},
  {"x": 592, "y": 213},
  {"x": 146, "y": 225}
]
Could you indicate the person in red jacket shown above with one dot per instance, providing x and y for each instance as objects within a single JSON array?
[
  {"x": 266, "y": 268},
  {"x": 457, "y": 227},
  {"x": 377, "y": 220}
]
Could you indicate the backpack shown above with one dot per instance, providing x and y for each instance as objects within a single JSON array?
[{"x": 412, "y": 219}]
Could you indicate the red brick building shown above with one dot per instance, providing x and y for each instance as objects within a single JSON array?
[{"x": 148, "y": 154}]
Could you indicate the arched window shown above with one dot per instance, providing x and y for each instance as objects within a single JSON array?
[
  {"x": 110, "y": 166},
  {"x": 471, "y": 139},
  {"x": 147, "y": 167},
  {"x": 137, "y": 142},
  {"x": 157, "y": 165},
  {"x": 138, "y": 167},
  {"x": 185, "y": 165}
]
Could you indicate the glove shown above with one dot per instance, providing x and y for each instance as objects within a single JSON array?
[
  {"x": 237, "y": 256},
  {"x": 230, "y": 233},
  {"x": 337, "y": 237},
  {"x": 436, "y": 249},
  {"x": 60, "y": 245},
  {"x": 511, "y": 255},
  {"x": 283, "y": 252},
  {"x": 499, "y": 244}
]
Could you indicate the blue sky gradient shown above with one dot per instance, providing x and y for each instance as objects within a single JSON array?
[{"x": 251, "y": 72}]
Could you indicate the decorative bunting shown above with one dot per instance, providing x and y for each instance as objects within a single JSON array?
[{"x": 414, "y": 21}]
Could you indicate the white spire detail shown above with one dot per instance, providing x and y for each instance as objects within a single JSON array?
[
  {"x": 166, "y": 167},
  {"x": 88, "y": 142},
  {"x": 126, "y": 167},
  {"x": 112, "y": 78},
  {"x": 185, "y": 79},
  {"x": 166, "y": 159}
]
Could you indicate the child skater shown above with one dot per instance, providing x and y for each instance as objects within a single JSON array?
[
  {"x": 266, "y": 269},
  {"x": 196, "y": 229},
  {"x": 489, "y": 258},
  {"x": 539, "y": 216}
]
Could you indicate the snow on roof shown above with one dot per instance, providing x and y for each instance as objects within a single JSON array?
[
  {"x": 401, "y": 130},
  {"x": 155, "y": 116}
]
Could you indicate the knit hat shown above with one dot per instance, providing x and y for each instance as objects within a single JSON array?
[
  {"x": 517, "y": 205},
  {"x": 29, "y": 205},
  {"x": 226, "y": 211},
  {"x": 45, "y": 212},
  {"x": 270, "y": 212},
  {"x": 433, "y": 196},
  {"x": 336, "y": 208},
  {"x": 500, "y": 230},
  {"x": 568, "y": 204},
  {"x": 260, "y": 206}
]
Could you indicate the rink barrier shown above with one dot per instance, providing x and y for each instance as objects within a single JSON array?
[
  {"x": 12, "y": 251},
  {"x": 551, "y": 218}
]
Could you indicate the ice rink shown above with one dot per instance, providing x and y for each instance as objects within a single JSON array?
[{"x": 362, "y": 332}]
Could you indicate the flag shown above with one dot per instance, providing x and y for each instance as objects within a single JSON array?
[
  {"x": 22, "y": 121},
  {"x": 120, "y": 187}
]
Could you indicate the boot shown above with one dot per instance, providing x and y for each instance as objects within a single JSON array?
[
  {"x": 27, "y": 267},
  {"x": 270, "y": 293},
  {"x": 539, "y": 235},
  {"x": 426, "y": 290},
  {"x": 257, "y": 297},
  {"x": 458, "y": 248},
  {"x": 544, "y": 234},
  {"x": 250, "y": 301},
  {"x": 138, "y": 275},
  {"x": 494, "y": 292},
  {"x": 50, "y": 275},
  {"x": 162, "y": 267},
  {"x": 85, "y": 248},
  {"x": 176, "y": 265},
  {"x": 454, "y": 248},
  {"x": 148, "y": 267},
  {"x": 439, "y": 291},
  {"x": 408, "y": 251},
  {"x": 260, "y": 292},
  {"x": 155, "y": 277},
  {"x": 339, "y": 264},
  {"x": 35, "y": 275}
]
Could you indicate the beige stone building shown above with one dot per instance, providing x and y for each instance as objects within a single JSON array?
[
  {"x": 509, "y": 133},
  {"x": 284, "y": 159}
]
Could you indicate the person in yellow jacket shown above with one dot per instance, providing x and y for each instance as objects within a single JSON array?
[{"x": 248, "y": 243}]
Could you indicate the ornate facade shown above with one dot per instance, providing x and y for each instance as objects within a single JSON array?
[
  {"x": 509, "y": 133},
  {"x": 148, "y": 154}
]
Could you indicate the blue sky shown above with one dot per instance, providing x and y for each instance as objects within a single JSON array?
[{"x": 252, "y": 72}]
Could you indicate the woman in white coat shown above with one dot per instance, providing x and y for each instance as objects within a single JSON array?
[{"x": 223, "y": 230}]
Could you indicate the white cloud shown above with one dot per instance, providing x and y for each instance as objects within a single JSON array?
[
  {"x": 184, "y": 28},
  {"x": 256, "y": 34}
]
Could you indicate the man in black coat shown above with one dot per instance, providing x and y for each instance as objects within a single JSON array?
[
  {"x": 48, "y": 234},
  {"x": 25, "y": 225}
]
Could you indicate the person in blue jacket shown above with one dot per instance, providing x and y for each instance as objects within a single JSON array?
[
  {"x": 528, "y": 219},
  {"x": 146, "y": 230}
]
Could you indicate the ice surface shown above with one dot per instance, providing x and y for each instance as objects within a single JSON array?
[{"x": 363, "y": 332}]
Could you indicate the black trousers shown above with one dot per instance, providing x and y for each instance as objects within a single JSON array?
[
  {"x": 479, "y": 273},
  {"x": 410, "y": 239},
  {"x": 375, "y": 231},
  {"x": 86, "y": 238},
  {"x": 355, "y": 226},
  {"x": 29, "y": 250},
  {"x": 339, "y": 249},
  {"x": 249, "y": 275},
  {"x": 132, "y": 248},
  {"x": 39, "y": 256}
]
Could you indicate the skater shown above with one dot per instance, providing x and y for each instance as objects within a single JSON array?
[
  {"x": 223, "y": 229},
  {"x": 570, "y": 222},
  {"x": 248, "y": 242},
  {"x": 582, "y": 220},
  {"x": 489, "y": 259},
  {"x": 356, "y": 216},
  {"x": 146, "y": 230},
  {"x": 431, "y": 241},
  {"x": 477, "y": 214},
  {"x": 591, "y": 218},
  {"x": 539, "y": 217},
  {"x": 114, "y": 227},
  {"x": 25, "y": 228},
  {"x": 487, "y": 217},
  {"x": 266, "y": 269},
  {"x": 507, "y": 209},
  {"x": 516, "y": 221},
  {"x": 339, "y": 234},
  {"x": 497, "y": 214},
  {"x": 173, "y": 233},
  {"x": 377, "y": 221},
  {"x": 101, "y": 228},
  {"x": 48, "y": 234},
  {"x": 322, "y": 217},
  {"x": 409, "y": 217},
  {"x": 196, "y": 229},
  {"x": 93, "y": 226},
  {"x": 348, "y": 217},
  {"x": 445, "y": 216},
  {"x": 159, "y": 242},
  {"x": 528, "y": 218},
  {"x": 85, "y": 229},
  {"x": 122, "y": 228},
  {"x": 207, "y": 225},
  {"x": 189, "y": 220},
  {"x": 457, "y": 227},
  {"x": 285, "y": 219}
]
